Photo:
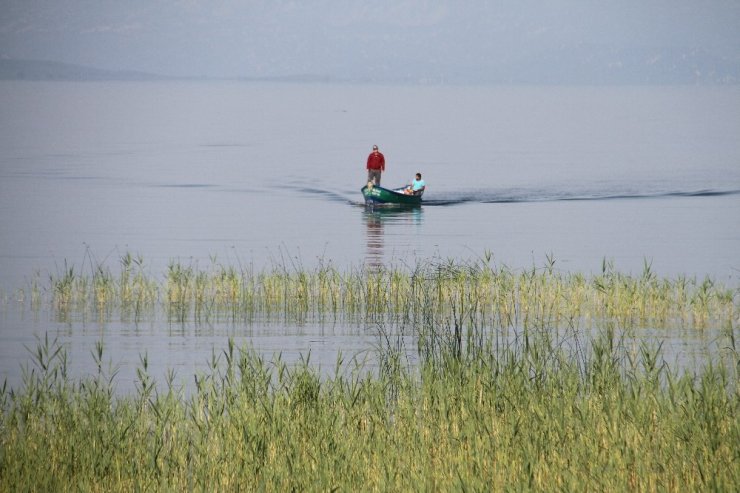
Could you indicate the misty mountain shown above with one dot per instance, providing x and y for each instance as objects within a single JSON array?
[
  {"x": 596, "y": 64},
  {"x": 586, "y": 64},
  {"x": 580, "y": 64},
  {"x": 410, "y": 41},
  {"x": 11, "y": 69}
]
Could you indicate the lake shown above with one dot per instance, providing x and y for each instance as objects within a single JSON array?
[{"x": 269, "y": 174}]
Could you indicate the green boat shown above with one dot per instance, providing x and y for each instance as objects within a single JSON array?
[{"x": 375, "y": 194}]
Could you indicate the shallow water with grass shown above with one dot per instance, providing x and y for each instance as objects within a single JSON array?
[
  {"x": 181, "y": 318},
  {"x": 263, "y": 177},
  {"x": 193, "y": 296},
  {"x": 480, "y": 378}
]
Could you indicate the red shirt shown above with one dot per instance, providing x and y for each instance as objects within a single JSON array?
[{"x": 376, "y": 161}]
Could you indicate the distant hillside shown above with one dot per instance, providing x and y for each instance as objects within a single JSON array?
[
  {"x": 579, "y": 64},
  {"x": 604, "y": 64},
  {"x": 587, "y": 64},
  {"x": 11, "y": 69}
]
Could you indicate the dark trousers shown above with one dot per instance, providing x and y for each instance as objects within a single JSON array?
[{"x": 373, "y": 175}]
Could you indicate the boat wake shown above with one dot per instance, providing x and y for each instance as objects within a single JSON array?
[{"x": 521, "y": 195}]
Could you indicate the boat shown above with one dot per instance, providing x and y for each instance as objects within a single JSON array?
[{"x": 375, "y": 194}]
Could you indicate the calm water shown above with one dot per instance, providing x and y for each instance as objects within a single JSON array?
[{"x": 270, "y": 174}]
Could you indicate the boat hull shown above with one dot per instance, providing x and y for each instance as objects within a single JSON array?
[{"x": 378, "y": 195}]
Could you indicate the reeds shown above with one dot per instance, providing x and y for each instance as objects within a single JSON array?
[
  {"x": 493, "y": 296},
  {"x": 500, "y": 390},
  {"x": 131, "y": 291},
  {"x": 528, "y": 415}
]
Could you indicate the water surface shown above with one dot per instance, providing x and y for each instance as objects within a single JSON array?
[{"x": 263, "y": 175}]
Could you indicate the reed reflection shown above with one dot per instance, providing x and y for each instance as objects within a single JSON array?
[{"x": 377, "y": 219}]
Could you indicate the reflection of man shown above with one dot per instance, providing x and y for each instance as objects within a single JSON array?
[
  {"x": 375, "y": 166},
  {"x": 375, "y": 240}
]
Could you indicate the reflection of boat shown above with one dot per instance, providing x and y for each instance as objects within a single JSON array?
[
  {"x": 397, "y": 218},
  {"x": 375, "y": 240},
  {"x": 380, "y": 195}
]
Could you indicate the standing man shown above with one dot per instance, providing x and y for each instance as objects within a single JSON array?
[{"x": 375, "y": 166}]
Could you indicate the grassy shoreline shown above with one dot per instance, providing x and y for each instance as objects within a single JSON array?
[
  {"x": 525, "y": 417},
  {"x": 548, "y": 409}
]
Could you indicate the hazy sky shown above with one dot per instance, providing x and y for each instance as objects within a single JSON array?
[{"x": 353, "y": 38}]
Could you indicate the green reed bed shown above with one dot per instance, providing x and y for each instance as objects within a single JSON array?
[
  {"x": 478, "y": 292},
  {"x": 132, "y": 290},
  {"x": 522, "y": 416}
]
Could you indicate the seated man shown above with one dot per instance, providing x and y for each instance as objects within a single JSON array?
[{"x": 418, "y": 185}]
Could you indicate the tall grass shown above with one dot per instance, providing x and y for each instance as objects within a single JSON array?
[
  {"x": 501, "y": 391},
  {"x": 531, "y": 414},
  {"x": 132, "y": 292},
  {"x": 492, "y": 296}
]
